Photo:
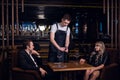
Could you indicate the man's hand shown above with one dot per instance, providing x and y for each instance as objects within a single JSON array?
[
  {"x": 43, "y": 72},
  {"x": 35, "y": 52}
]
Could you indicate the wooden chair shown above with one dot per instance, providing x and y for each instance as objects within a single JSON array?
[
  {"x": 20, "y": 74},
  {"x": 111, "y": 71}
]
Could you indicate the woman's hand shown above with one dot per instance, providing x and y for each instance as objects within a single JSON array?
[
  {"x": 82, "y": 61},
  {"x": 92, "y": 70}
]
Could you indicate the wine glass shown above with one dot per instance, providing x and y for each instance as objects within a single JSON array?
[
  {"x": 77, "y": 55},
  {"x": 59, "y": 56}
]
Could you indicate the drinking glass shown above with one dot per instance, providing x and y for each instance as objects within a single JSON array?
[
  {"x": 59, "y": 56},
  {"x": 77, "y": 55}
]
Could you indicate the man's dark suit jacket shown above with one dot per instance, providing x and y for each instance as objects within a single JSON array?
[{"x": 25, "y": 61}]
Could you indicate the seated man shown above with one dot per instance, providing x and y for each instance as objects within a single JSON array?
[{"x": 28, "y": 62}]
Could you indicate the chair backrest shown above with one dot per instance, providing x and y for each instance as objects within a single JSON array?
[
  {"x": 13, "y": 54},
  {"x": 37, "y": 46},
  {"x": 113, "y": 55}
]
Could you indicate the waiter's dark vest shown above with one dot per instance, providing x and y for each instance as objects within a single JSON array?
[{"x": 60, "y": 37}]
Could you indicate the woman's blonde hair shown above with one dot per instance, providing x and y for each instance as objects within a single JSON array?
[{"x": 101, "y": 45}]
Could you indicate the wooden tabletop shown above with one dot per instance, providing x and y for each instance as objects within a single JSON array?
[{"x": 70, "y": 66}]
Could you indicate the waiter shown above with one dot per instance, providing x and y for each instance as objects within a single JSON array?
[{"x": 59, "y": 40}]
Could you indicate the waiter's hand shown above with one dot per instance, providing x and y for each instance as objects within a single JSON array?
[
  {"x": 62, "y": 49},
  {"x": 66, "y": 50}
]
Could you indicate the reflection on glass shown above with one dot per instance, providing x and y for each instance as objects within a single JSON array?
[
  {"x": 77, "y": 55},
  {"x": 59, "y": 56}
]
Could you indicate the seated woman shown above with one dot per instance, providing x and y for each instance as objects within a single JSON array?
[{"x": 97, "y": 58}]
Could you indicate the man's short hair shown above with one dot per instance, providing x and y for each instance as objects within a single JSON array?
[
  {"x": 26, "y": 43},
  {"x": 66, "y": 16}
]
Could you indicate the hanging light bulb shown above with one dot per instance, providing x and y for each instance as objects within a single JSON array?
[{"x": 42, "y": 28}]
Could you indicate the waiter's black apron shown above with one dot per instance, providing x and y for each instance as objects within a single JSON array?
[{"x": 60, "y": 37}]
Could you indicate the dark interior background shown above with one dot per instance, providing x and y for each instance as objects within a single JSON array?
[{"x": 82, "y": 11}]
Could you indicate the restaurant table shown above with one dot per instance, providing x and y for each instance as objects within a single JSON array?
[{"x": 68, "y": 67}]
